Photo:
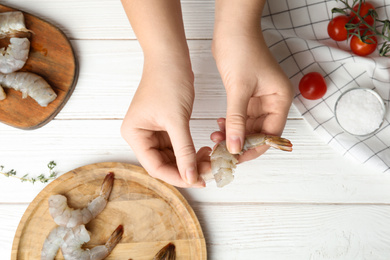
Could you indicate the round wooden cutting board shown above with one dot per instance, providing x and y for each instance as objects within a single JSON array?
[
  {"x": 51, "y": 57},
  {"x": 152, "y": 213}
]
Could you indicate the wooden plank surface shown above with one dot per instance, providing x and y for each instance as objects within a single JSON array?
[
  {"x": 112, "y": 77},
  {"x": 275, "y": 231},
  {"x": 312, "y": 173},
  {"x": 106, "y": 19},
  {"x": 308, "y": 204}
]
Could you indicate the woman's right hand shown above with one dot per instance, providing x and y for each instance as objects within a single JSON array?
[{"x": 156, "y": 125}]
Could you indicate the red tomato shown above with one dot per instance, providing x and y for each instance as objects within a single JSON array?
[
  {"x": 336, "y": 28},
  {"x": 361, "y": 48},
  {"x": 312, "y": 86},
  {"x": 364, "y": 7}
]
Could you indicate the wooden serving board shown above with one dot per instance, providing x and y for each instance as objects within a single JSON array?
[
  {"x": 51, "y": 57},
  {"x": 152, "y": 213}
]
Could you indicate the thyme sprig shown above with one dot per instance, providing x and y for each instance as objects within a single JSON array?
[
  {"x": 26, "y": 178},
  {"x": 364, "y": 30}
]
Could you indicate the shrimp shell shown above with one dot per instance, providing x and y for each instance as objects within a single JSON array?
[
  {"x": 65, "y": 216},
  {"x": 12, "y": 23},
  {"x": 76, "y": 237},
  {"x": 15, "y": 56},
  {"x": 29, "y": 84},
  {"x": 223, "y": 163}
]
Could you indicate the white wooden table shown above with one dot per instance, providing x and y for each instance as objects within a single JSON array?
[{"x": 308, "y": 204}]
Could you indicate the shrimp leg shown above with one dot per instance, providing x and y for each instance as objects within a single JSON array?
[
  {"x": 223, "y": 163},
  {"x": 65, "y": 216},
  {"x": 76, "y": 237}
]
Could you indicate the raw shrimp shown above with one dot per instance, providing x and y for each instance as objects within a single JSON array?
[
  {"x": 15, "y": 56},
  {"x": 76, "y": 237},
  {"x": 65, "y": 216},
  {"x": 53, "y": 242},
  {"x": 223, "y": 163},
  {"x": 166, "y": 253},
  {"x": 29, "y": 84},
  {"x": 12, "y": 24},
  {"x": 71, "y": 239}
]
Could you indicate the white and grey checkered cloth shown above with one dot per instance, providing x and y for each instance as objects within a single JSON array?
[{"x": 296, "y": 33}]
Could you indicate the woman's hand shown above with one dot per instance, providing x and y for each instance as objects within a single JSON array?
[
  {"x": 156, "y": 125},
  {"x": 259, "y": 94}
]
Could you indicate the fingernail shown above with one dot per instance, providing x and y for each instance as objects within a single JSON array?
[
  {"x": 234, "y": 144},
  {"x": 191, "y": 176}
]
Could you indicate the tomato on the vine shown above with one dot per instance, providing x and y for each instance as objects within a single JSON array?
[
  {"x": 364, "y": 48},
  {"x": 336, "y": 28},
  {"x": 312, "y": 86},
  {"x": 364, "y": 8}
]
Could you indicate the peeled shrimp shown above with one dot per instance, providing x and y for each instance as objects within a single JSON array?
[
  {"x": 223, "y": 163},
  {"x": 29, "y": 84},
  {"x": 15, "y": 56},
  {"x": 53, "y": 243},
  {"x": 76, "y": 237},
  {"x": 65, "y": 216},
  {"x": 71, "y": 239},
  {"x": 12, "y": 24}
]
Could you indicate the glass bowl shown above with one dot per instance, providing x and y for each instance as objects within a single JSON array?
[{"x": 360, "y": 111}]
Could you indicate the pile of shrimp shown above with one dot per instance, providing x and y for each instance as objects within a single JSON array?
[
  {"x": 14, "y": 57},
  {"x": 71, "y": 234},
  {"x": 223, "y": 163}
]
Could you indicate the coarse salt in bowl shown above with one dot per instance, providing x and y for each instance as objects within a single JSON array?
[{"x": 360, "y": 111}]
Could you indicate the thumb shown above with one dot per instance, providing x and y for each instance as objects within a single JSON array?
[
  {"x": 236, "y": 114},
  {"x": 185, "y": 152}
]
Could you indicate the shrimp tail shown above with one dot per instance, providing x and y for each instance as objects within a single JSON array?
[
  {"x": 279, "y": 143},
  {"x": 256, "y": 140},
  {"x": 107, "y": 185},
  {"x": 166, "y": 253},
  {"x": 114, "y": 239}
]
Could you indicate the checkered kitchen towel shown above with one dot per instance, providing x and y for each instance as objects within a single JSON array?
[{"x": 296, "y": 33}]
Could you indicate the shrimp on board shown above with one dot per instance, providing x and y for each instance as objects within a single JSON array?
[
  {"x": 65, "y": 216},
  {"x": 12, "y": 25},
  {"x": 223, "y": 163},
  {"x": 29, "y": 84},
  {"x": 76, "y": 237},
  {"x": 71, "y": 239},
  {"x": 15, "y": 55}
]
